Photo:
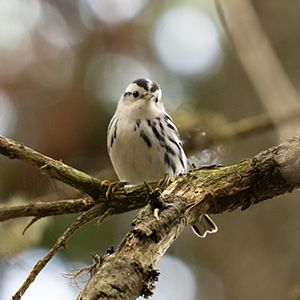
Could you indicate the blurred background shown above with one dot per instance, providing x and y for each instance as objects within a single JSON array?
[{"x": 64, "y": 65}]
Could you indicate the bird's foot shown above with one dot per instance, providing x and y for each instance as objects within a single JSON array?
[
  {"x": 112, "y": 187},
  {"x": 165, "y": 182}
]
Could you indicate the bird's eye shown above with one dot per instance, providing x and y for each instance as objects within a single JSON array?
[
  {"x": 135, "y": 94},
  {"x": 156, "y": 100}
]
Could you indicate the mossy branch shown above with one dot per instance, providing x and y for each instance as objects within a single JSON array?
[
  {"x": 52, "y": 167},
  {"x": 217, "y": 185},
  {"x": 212, "y": 189}
]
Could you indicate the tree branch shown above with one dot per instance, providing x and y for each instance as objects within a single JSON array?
[
  {"x": 222, "y": 132},
  {"x": 214, "y": 184},
  {"x": 203, "y": 190},
  {"x": 46, "y": 209},
  {"x": 61, "y": 242},
  {"x": 52, "y": 167},
  {"x": 212, "y": 189}
]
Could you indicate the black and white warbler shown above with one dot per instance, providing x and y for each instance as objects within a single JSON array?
[{"x": 143, "y": 142}]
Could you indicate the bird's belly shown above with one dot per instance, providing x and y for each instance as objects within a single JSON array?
[{"x": 134, "y": 161}]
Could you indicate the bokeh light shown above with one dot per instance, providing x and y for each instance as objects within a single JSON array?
[
  {"x": 176, "y": 280},
  {"x": 111, "y": 11},
  {"x": 108, "y": 75},
  {"x": 53, "y": 27},
  {"x": 188, "y": 42},
  {"x": 53, "y": 70},
  {"x": 8, "y": 115},
  {"x": 49, "y": 283},
  {"x": 16, "y": 20}
]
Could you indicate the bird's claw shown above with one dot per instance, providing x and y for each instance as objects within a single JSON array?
[
  {"x": 105, "y": 182},
  {"x": 165, "y": 182},
  {"x": 112, "y": 187}
]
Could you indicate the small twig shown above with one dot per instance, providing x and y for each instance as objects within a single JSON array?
[
  {"x": 53, "y": 168},
  {"x": 61, "y": 242},
  {"x": 74, "y": 277},
  {"x": 103, "y": 216},
  {"x": 91, "y": 270},
  {"x": 35, "y": 219},
  {"x": 46, "y": 209}
]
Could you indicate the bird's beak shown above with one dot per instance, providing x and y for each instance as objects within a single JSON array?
[{"x": 148, "y": 96}]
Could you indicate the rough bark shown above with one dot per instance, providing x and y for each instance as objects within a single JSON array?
[
  {"x": 129, "y": 271},
  {"x": 213, "y": 189}
]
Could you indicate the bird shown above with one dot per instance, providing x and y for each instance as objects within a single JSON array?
[{"x": 144, "y": 144}]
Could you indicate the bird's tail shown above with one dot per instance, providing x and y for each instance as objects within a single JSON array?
[{"x": 206, "y": 225}]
